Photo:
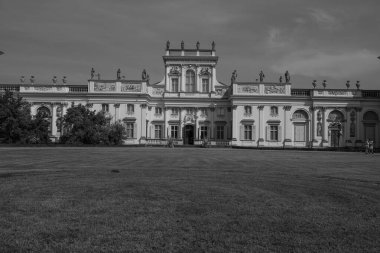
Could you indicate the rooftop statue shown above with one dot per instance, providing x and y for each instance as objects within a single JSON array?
[
  {"x": 262, "y": 76},
  {"x": 98, "y": 75},
  {"x": 348, "y": 84},
  {"x": 197, "y": 45},
  {"x": 287, "y": 77},
  {"x": 182, "y": 45},
  {"x": 145, "y": 76},
  {"x": 92, "y": 73},
  {"x": 213, "y": 46},
  {"x": 54, "y": 79},
  {"x": 22, "y": 79},
  {"x": 64, "y": 79},
  {"x": 280, "y": 79},
  {"x": 314, "y": 83},
  {"x": 32, "y": 79},
  {"x": 118, "y": 74},
  {"x": 233, "y": 77},
  {"x": 167, "y": 45},
  {"x": 324, "y": 84}
]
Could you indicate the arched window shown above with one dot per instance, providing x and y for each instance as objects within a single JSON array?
[
  {"x": 335, "y": 116},
  {"x": 190, "y": 81},
  {"x": 300, "y": 115},
  {"x": 44, "y": 112},
  {"x": 370, "y": 115}
]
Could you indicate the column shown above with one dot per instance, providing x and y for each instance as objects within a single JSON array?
[
  {"x": 235, "y": 124},
  {"x": 324, "y": 127},
  {"x": 212, "y": 109},
  {"x": 359, "y": 125},
  {"x": 346, "y": 129},
  {"x": 313, "y": 111},
  {"x": 180, "y": 123},
  {"x": 143, "y": 126},
  {"x": 287, "y": 129},
  {"x": 261, "y": 124},
  {"x": 117, "y": 111},
  {"x": 196, "y": 135},
  {"x": 183, "y": 79},
  {"x": 53, "y": 120}
]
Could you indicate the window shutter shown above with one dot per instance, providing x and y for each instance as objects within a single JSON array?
[
  {"x": 279, "y": 133},
  {"x": 163, "y": 132},
  {"x": 253, "y": 133},
  {"x": 268, "y": 132},
  {"x": 151, "y": 134},
  {"x": 241, "y": 132},
  {"x": 134, "y": 130}
]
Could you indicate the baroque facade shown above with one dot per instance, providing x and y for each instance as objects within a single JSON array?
[{"x": 190, "y": 105}]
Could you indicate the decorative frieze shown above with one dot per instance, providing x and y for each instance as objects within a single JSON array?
[
  {"x": 274, "y": 89},
  {"x": 250, "y": 89},
  {"x": 105, "y": 87},
  {"x": 130, "y": 87}
]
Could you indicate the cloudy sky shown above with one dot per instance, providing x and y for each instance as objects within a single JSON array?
[{"x": 336, "y": 40}]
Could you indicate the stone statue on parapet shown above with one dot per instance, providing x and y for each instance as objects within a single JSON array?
[
  {"x": 54, "y": 79},
  {"x": 197, "y": 45},
  {"x": 324, "y": 84},
  {"x": 98, "y": 75},
  {"x": 92, "y": 73},
  {"x": 118, "y": 74},
  {"x": 348, "y": 84},
  {"x": 314, "y": 83},
  {"x": 287, "y": 77},
  {"x": 262, "y": 76},
  {"x": 280, "y": 79},
  {"x": 144, "y": 76},
  {"x": 167, "y": 45},
  {"x": 32, "y": 79},
  {"x": 213, "y": 46},
  {"x": 182, "y": 45},
  {"x": 64, "y": 79},
  {"x": 22, "y": 79},
  {"x": 233, "y": 76}
]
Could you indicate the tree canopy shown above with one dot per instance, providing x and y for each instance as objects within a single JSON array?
[
  {"x": 16, "y": 123},
  {"x": 84, "y": 126}
]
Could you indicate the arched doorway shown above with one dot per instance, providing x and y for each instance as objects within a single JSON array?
[
  {"x": 301, "y": 127},
  {"x": 188, "y": 134},
  {"x": 335, "y": 128},
  {"x": 370, "y": 120}
]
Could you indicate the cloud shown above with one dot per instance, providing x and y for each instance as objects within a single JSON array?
[
  {"x": 323, "y": 19},
  {"x": 314, "y": 64}
]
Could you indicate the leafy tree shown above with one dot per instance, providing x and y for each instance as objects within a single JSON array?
[
  {"x": 16, "y": 122},
  {"x": 83, "y": 126}
]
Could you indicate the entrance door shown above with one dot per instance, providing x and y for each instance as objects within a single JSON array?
[
  {"x": 369, "y": 131},
  {"x": 335, "y": 134},
  {"x": 188, "y": 137}
]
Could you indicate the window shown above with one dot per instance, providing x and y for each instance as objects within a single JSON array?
[
  {"x": 273, "y": 111},
  {"x": 174, "y": 132},
  {"x": 175, "y": 111},
  {"x": 130, "y": 109},
  {"x": 158, "y": 131},
  {"x": 158, "y": 110},
  {"x": 105, "y": 107},
  {"x": 205, "y": 85},
  {"x": 219, "y": 132},
  {"x": 247, "y": 110},
  {"x": 190, "y": 81},
  {"x": 299, "y": 132},
  {"x": 247, "y": 132},
  {"x": 130, "y": 130},
  {"x": 220, "y": 111},
  {"x": 273, "y": 133},
  {"x": 174, "y": 84},
  {"x": 204, "y": 130}
]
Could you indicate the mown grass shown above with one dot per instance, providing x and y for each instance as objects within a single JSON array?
[{"x": 188, "y": 200}]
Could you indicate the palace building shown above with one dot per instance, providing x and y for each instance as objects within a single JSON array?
[{"x": 190, "y": 105}]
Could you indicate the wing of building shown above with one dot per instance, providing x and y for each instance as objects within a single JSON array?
[{"x": 190, "y": 105}]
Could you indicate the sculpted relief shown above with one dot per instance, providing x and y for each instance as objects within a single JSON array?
[
  {"x": 131, "y": 87},
  {"x": 274, "y": 89},
  {"x": 104, "y": 87},
  {"x": 248, "y": 89}
]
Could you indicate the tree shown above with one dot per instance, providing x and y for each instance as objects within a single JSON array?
[
  {"x": 17, "y": 124},
  {"x": 83, "y": 126}
]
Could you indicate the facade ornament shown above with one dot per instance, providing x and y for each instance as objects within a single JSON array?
[
  {"x": 357, "y": 84},
  {"x": 116, "y": 105},
  {"x": 262, "y": 76},
  {"x": 260, "y": 107},
  {"x": 182, "y": 45},
  {"x": 197, "y": 45},
  {"x": 314, "y": 83},
  {"x": 175, "y": 70},
  {"x": 324, "y": 84},
  {"x": 32, "y": 79},
  {"x": 92, "y": 73},
  {"x": 234, "y": 76},
  {"x": 118, "y": 74},
  {"x": 64, "y": 79},
  {"x": 287, "y": 77},
  {"x": 167, "y": 45},
  {"x": 287, "y": 107},
  {"x": 22, "y": 79},
  {"x": 213, "y": 46},
  {"x": 348, "y": 84},
  {"x": 89, "y": 105},
  {"x": 54, "y": 79},
  {"x": 98, "y": 75},
  {"x": 204, "y": 71},
  {"x": 280, "y": 79}
]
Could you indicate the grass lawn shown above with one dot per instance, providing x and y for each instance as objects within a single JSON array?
[{"x": 188, "y": 200}]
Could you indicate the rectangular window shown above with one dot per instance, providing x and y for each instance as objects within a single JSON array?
[
  {"x": 205, "y": 85},
  {"x": 219, "y": 132},
  {"x": 158, "y": 110},
  {"x": 130, "y": 109},
  {"x": 220, "y": 111},
  {"x": 157, "y": 131},
  {"x": 174, "y": 132},
  {"x": 174, "y": 84},
  {"x": 274, "y": 133},
  {"x": 105, "y": 107},
  {"x": 247, "y": 132},
  {"x": 130, "y": 130},
  {"x": 175, "y": 111},
  {"x": 204, "y": 130}
]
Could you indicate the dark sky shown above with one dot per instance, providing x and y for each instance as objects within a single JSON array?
[{"x": 336, "y": 40}]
